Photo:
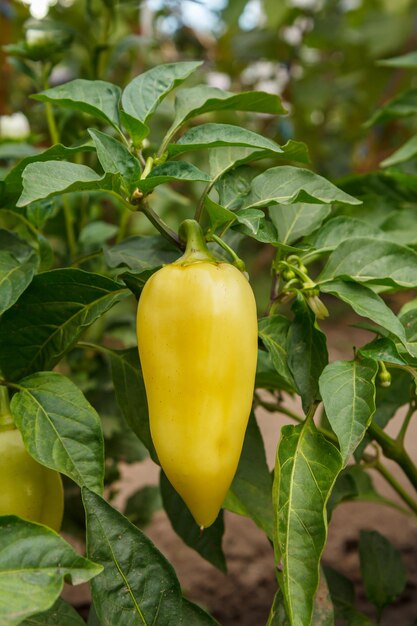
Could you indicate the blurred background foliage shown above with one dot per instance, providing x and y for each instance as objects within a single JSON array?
[{"x": 321, "y": 56}]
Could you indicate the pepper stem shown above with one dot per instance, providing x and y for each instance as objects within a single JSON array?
[
  {"x": 6, "y": 419},
  {"x": 195, "y": 244}
]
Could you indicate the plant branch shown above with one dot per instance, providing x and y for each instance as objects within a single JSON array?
[
  {"x": 407, "y": 419},
  {"x": 381, "y": 469},
  {"x": 394, "y": 451}
]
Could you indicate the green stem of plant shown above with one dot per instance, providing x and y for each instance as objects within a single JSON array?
[
  {"x": 160, "y": 225},
  {"x": 200, "y": 206},
  {"x": 148, "y": 167},
  {"x": 124, "y": 222},
  {"x": 381, "y": 469},
  {"x": 6, "y": 419},
  {"x": 403, "y": 430},
  {"x": 55, "y": 138},
  {"x": 394, "y": 451},
  {"x": 86, "y": 257},
  {"x": 237, "y": 261}
]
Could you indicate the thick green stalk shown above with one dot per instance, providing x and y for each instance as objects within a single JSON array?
[
  {"x": 395, "y": 451},
  {"x": 6, "y": 419}
]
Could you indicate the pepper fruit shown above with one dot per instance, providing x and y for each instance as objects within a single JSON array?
[
  {"x": 27, "y": 488},
  {"x": 197, "y": 339}
]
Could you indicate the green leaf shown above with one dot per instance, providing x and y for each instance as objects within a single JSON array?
[
  {"x": 382, "y": 569},
  {"x": 405, "y": 61},
  {"x": 297, "y": 220},
  {"x": 407, "y": 151},
  {"x": 368, "y": 260},
  {"x": 286, "y": 185},
  {"x": 339, "y": 229},
  {"x": 307, "y": 353},
  {"x": 115, "y": 158},
  {"x": 95, "y": 97},
  {"x": 403, "y": 105},
  {"x": 273, "y": 332},
  {"x": 366, "y": 303},
  {"x": 342, "y": 593},
  {"x": 32, "y": 579},
  {"x": 208, "y": 543},
  {"x": 131, "y": 394},
  {"x": 266, "y": 375},
  {"x": 250, "y": 493},
  {"x": 218, "y": 215},
  {"x": 215, "y": 135},
  {"x": 306, "y": 468},
  {"x": 13, "y": 181},
  {"x": 348, "y": 392},
  {"x": 18, "y": 264},
  {"x": 60, "y": 428},
  {"x": 16, "y": 151},
  {"x": 234, "y": 186},
  {"x": 172, "y": 171},
  {"x": 59, "y": 614},
  {"x": 223, "y": 159},
  {"x": 193, "y": 615},
  {"x": 141, "y": 253},
  {"x": 137, "y": 582},
  {"x": 50, "y": 316},
  {"x": 143, "y": 94},
  {"x": 52, "y": 178},
  {"x": 141, "y": 506},
  {"x": 95, "y": 234},
  {"x": 382, "y": 349},
  {"x": 203, "y": 99}
]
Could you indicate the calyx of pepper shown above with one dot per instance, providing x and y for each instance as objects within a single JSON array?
[{"x": 196, "y": 250}]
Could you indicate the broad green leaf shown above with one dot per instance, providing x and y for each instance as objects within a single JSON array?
[
  {"x": 405, "y": 61},
  {"x": 401, "y": 226},
  {"x": 234, "y": 186},
  {"x": 50, "y": 316},
  {"x": 403, "y": 105},
  {"x": 266, "y": 375},
  {"x": 193, "y": 615},
  {"x": 38, "y": 213},
  {"x": 95, "y": 97},
  {"x": 13, "y": 182},
  {"x": 306, "y": 353},
  {"x": 95, "y": 234},
  {"x": 141, "y": 253},
  {"x": 172, "y": 171},
  {"x": 130, "y": 393},
  {"x": 216, "y": 135},
  {"x": 52, "y": 178},
  {"x": 382, "y": 349},
  {"x": 115, "y": 158},
  {"x": 366, "y": 303},
  {"x": 250, "y": 219},
  {"x": 286, "y": 185},
  {"x": 354, "y": 484},
  {"x": 60, "y": 428},
  {"x": 16, "y": 151},
  {"x": 365, "y": 259},
  {"x": 137, "y": 582},
  {"x": 348, "y": 392},
  {"x": 342, "y": 593},
  {"x": 306, "y": 468},
  {"x": 218, "y": 215},
  {"x": 409, "y": 320},
  {"x": 34, "y": 561},
  {"x": 202, "y": 99},
  {"x": 223, "y": 159},
  {"x": 141, "y": 506},
  {"x": 250, "y": 493},
  {"x": 60, "y": 614},
  {"x": 341, "y": 228},
  {"x": 209, "y": 543},
  {"x": 143, "y": 94},
  {"x": 18, "y": 264},
  {"x": 382, "y": 568},
  {"x": 297, "y": 220},
  {"x": 407, "y": 151},
  {"x": 273, "y": 332}
]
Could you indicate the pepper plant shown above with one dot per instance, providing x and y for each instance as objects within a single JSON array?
[{"x": 67, "y": 312}]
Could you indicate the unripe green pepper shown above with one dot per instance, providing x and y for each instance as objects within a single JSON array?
[{"x": 197, "y": 338}]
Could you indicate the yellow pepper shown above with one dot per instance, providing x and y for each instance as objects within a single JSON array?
[{"x": 197, "y": 338}]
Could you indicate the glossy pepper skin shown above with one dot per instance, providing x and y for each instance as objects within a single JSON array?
[
  {"x": 197, "y": 337},
  {"x": 27, "y": 488}
]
